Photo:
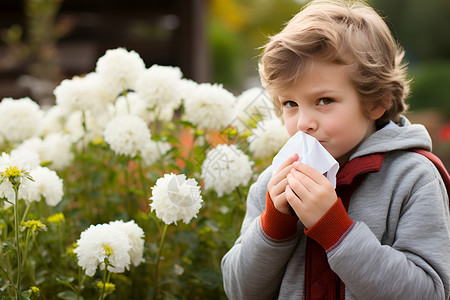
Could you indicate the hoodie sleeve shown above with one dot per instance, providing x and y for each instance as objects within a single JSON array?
[
  {"x": 254, "y": 267},
  {"x": 411, "y": 260}
]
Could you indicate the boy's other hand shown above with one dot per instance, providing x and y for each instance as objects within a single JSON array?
[
  {"x": 278, "y": 183},
  {"x": 309, "y": 193}
]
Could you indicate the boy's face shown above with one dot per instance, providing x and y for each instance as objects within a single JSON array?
[{"x": 325, "y": 105}]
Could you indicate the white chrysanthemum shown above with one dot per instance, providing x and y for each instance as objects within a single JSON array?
[
  {"x": 74, "y": 126},
  {"x": 94, "y": 124},
  {"x": 94, "y": 245},
  {"x": 252, "y": 106},
  {"x": 136, "y": 237},
  {"x": 188, "y": 88},
  {"x": 153, "y": 151},
  {"x": 127, "y": 134},
  {"x": 88, "y": 93},
  {"x": 225, "y": 168},
  {"x": 48, "y": 185},
  {"x": 20, "y": 119},
  {"x": 159, "y": 87},
  {"x": 29, "y": 157},
  {"x": 70, "y": 95},
  {"x": 267, "y": 138},
  {"x": 210, "y": 106},
  {"x": 26, "y": 190},
  {"x": 55, "y": 149},
  {"x": 132, "y": 104},
  {"x": 176, "y": 198},
  {"x": 120, "y": 69},
  {"x": 54, "y": 120}
]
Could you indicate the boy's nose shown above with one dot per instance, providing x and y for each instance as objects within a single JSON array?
[{"x": 306, "y": 123}]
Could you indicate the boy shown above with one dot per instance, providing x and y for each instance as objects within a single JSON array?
[{"x": 334, "y": 73}]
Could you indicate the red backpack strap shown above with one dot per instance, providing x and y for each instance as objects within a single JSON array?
[{"x": 439, "y": 165}]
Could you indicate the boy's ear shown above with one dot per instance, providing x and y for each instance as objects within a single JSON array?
[
  {"x": 376, "y": 112},
  {"x": 378, "y": 109}
]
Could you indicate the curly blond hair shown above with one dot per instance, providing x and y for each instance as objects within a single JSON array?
[{"x": 341, "y": 32}]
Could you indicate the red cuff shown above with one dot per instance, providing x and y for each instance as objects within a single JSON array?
[
  {"x": 276, "y": 224},
  {"x": 331, "y": 227}
]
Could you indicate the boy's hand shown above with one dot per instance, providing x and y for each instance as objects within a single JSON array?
[
  {"x": 278, "y": 183},
  {"x": 309, "y": 193}
]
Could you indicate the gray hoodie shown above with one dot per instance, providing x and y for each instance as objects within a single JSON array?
[{"x": 397, "y": 248}]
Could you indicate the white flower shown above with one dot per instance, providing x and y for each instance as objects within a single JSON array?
[
  {"x": 70, "y": 95},
  {"x": 159, "y": 87},
  {"x": 26, "y": 190},
  {"x": 48, "y": 185},
  {"x": 127, "y": 134},
  {"x": 176, "y": 198},
  {"x": 54, "y": 120},
  {"x": 20, "y": 119},
  {"x": 100, "y": 242},
  {"x": 136, "y": 237},
  {"x": 267, "y": 138},
  {"x": 210, "y": 106},
  {"x": 153, "y": 151},
  {"x": 188, "y": 88},
  {"x": 120, "y": 69},
  {"x": 29, "y": 157},
  {"x": 55, "y": 149},
  {"x": 225, "y": 168},
  {"x": 252, "y": 106},
  {"x": 132, "y": 104},
  {"x": 94, "y": 126},
  {"x": 88, "y": 93}
]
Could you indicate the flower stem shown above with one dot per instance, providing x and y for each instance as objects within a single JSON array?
[
  {"x": 80, "y": 282},
  {"x": 142, "y": 178},
  {"x": 9, "y": 278},
  {"x": 25, "y": 212},
  {"x": 104, "y": 283},
  {"x": 161, "y": 245},
  {"x": 26, "y": 246},
  {"x": 16, "y": 219}
]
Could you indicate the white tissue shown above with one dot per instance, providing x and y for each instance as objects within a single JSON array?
[{"x": 311, "y": 153}]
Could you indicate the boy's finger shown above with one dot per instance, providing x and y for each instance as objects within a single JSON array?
[
  {"x": 293, "y": 200},
  {"x": 288, "y": 161},
  {"x": 310, "y": 172},
  {"x": 279, "y": 187}
]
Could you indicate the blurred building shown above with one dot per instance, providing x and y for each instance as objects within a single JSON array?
[{"x": 51, "y": 48}]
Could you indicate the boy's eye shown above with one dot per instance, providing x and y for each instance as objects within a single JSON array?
[
  {"x": 325, "y": 101},
  {"x": 289, "y": 103}
]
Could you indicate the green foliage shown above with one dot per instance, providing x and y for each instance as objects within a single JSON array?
[
  {"x": 101, "y": 186},
  {"x": 419, "y": 26},
  {"x": 431, "y": 87},
  {"x": 236, "y": 31}
]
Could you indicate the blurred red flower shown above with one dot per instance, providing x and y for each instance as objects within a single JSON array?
[{"x": 444, "y": 133}]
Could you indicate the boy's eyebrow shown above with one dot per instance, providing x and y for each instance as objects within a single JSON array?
[{"x": 313, "y": 93}]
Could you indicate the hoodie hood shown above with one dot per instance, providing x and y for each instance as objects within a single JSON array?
[{"x": 405, "y": 136}]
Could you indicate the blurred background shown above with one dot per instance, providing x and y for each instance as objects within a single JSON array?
[{"x": 45, "y": 41}]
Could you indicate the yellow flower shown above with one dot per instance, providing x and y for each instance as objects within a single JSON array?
[
  {"x": 108, "y": 251},
  {"x": 35, "y": 289},
  {"x": 98, "y": 141},
  {"x": 34, "y": 224},
  {"x": 69, "y": 249},
  {"x": 12, "y": 172},
  {"x": 57, "y": 218},
  {"x": 109, "y": 287}
]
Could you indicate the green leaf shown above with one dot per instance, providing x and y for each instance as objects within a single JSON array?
[
  {"x": 186, "y": 123},
  {"x": 24, "y": 295},
  {"x": 64, "y": 279},
  {"x": 69, "y": 295}
]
